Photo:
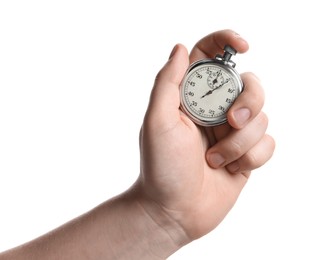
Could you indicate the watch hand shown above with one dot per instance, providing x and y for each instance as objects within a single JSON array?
[
  {"x": 211, "y": 91},
  {"x": 216, "y": 79},
  {"x": 208, "y": 93}
]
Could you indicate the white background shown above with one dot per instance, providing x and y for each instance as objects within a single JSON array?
[{"x": 75, "y": 78}]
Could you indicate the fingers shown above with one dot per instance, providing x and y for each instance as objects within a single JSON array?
[
  {"x": 245, "y": 108},
  {"x": 164, "y": 100},
  {"x": 214, "y": 43},
  {"x": 244, "y": 149},
  {"x": 255, "y": 157},
  {"x": 248, "y": 104}
]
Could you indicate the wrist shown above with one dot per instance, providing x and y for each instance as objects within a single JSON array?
[
  {"x": 147, "y": 231},
  {"x": 168, "y": 235}
]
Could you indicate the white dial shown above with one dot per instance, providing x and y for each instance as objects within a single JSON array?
[{"x": 208, "y": 90}]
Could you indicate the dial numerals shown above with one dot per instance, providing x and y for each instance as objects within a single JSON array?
[{"x": 209, "y": 91}]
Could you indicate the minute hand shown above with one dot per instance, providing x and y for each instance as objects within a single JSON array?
[{"x": 211, "y": 91}]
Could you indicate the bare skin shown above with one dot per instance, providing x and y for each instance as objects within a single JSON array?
[{"x": 190, "y": 176}]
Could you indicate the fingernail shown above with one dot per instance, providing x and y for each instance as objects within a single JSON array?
[
  {"x": 216, "y": 159},
  {"x": 173, "y": 52},
  {"x": 241, "y": 116}
]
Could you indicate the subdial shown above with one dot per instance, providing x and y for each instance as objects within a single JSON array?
[
  {"x": 215, "y": 79},
  {"x": 211, "y": 91}
]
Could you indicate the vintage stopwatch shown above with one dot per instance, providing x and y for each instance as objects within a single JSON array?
[{"x": 209, "y": 88}]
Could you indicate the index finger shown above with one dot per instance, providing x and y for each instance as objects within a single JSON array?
[{"x": 214, "y": 43}]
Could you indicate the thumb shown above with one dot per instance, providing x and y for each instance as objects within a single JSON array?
[{"x": 165, "y": 98}]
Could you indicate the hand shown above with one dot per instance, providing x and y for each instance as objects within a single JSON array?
[{"x": 192, "y": 176}]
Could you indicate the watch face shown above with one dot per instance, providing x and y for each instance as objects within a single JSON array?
[{"x": 208, "y": 91}]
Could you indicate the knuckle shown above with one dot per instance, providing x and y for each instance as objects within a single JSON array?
[
  {"x": 252, "y": 161},
  {"x": 263, "y": 119},
  {"x": 236, "y": 149}
]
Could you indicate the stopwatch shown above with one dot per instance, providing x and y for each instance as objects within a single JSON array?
[{"x": 209, "y": 88}]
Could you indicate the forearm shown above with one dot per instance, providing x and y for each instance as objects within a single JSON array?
[{"x": 117, "y": 229}]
